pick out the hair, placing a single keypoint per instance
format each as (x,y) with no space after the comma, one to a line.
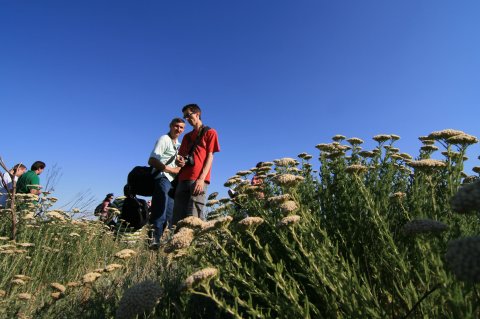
(194,108)
(127,191)
(38,165)
(176,120)
(108,196)
(17,166)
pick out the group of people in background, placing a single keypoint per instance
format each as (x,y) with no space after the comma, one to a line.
(27,182)
(187,164)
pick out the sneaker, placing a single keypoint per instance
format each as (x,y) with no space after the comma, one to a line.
(154,246)
(232,193)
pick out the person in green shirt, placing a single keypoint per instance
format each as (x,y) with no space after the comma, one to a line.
(29,183)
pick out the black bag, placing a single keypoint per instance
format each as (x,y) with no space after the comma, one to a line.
(98,210)
(173,188)
(134,212)
(141,180)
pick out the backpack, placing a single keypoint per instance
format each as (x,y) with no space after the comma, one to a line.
(141,180)
(99,209)
(134,212)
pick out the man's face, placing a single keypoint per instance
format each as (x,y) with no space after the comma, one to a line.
(20,171)
(176,129)
(191,117)
(40,170)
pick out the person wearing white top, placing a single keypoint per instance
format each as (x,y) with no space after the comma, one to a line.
(162,159)
(6,184)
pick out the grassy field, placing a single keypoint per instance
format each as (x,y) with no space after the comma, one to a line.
(355,234)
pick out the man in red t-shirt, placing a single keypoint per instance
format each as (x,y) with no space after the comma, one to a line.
(196,162)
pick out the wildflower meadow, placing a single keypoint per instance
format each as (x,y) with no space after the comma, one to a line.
(339,232)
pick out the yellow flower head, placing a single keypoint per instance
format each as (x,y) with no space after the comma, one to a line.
(181,240)
(381,138)
(58,286)
(355,141)
(199,277)
(356,169)
(421,226)
(125,253)
(429,148)
(287,179)
(427,164)
(18,282)
(24,296)
(23,277)
(190,222)
(338,138)
(462,257)
(138,300)
(289,220)
(288,206)
(250,222)
(286,161)
(112,267)
(279,199)
(444,134)
(91,277)
(462,139)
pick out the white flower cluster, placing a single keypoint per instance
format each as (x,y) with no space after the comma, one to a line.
(463,257)
(462,139)
(288,179)
(180,240)
(422,226)
(199,276)
(190,222)
(138,300)
(444,134)
(125,253)
(250,222)
(289,220)
(427,164)
(356,169)
(467,198)
(286,161)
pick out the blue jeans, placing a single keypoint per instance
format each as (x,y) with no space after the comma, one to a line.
(162,207)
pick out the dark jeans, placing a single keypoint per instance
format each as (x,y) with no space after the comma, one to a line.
(186,204)
(162,207)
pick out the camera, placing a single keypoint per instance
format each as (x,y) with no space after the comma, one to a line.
(189,160)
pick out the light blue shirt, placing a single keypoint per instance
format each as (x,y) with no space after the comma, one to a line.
(163,150)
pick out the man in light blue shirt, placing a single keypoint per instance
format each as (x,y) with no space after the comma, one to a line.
(162,158)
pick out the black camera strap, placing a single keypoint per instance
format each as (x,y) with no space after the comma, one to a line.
(201,133)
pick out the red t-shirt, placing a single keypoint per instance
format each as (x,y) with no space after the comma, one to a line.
(207,144)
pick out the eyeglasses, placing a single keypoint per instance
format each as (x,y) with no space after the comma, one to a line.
(187,116)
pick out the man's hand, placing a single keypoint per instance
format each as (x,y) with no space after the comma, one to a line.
(180,161)
(198,187)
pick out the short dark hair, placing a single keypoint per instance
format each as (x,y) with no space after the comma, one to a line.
(194,108)
(38,165)
(177,120)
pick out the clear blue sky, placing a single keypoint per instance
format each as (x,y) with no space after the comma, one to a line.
(90,85)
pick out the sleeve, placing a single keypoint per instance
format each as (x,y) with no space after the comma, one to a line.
(211,141)
(159,148)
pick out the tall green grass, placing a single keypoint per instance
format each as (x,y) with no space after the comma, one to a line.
(363,234)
